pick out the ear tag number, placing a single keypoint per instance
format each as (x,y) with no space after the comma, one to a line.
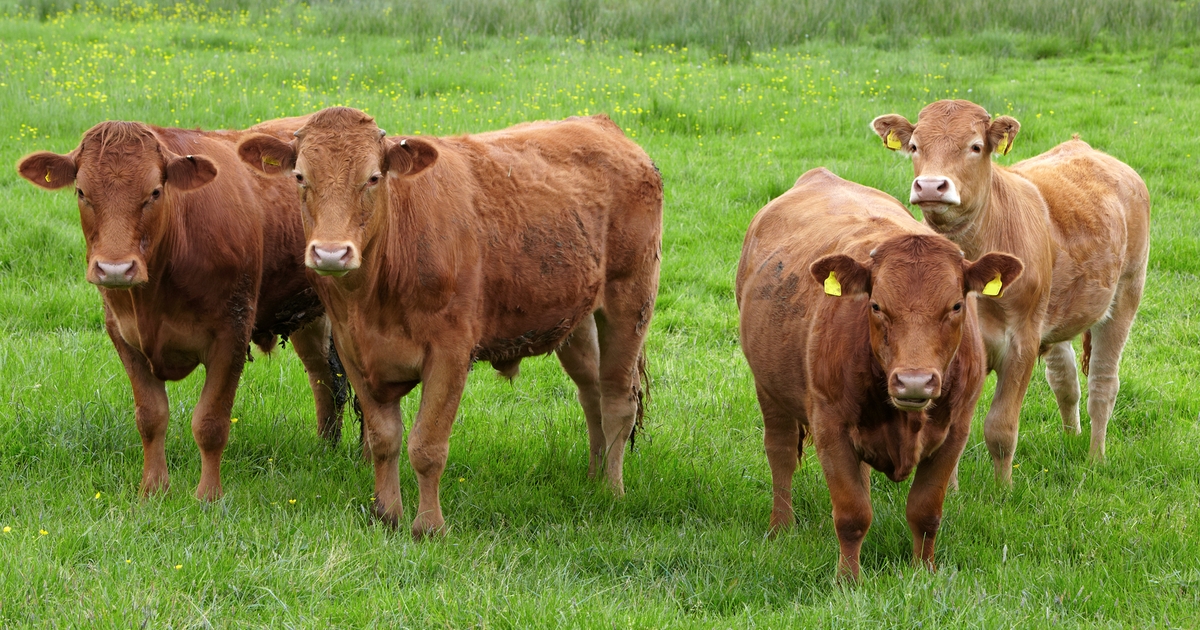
(270,160)
(832,286)
(892,141)
(993,288)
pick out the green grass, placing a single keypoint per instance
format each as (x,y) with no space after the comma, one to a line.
(533,543)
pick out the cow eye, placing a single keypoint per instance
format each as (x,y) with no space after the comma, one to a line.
(976,148)
(875,307)
(299,179)
(79,194)
(957,307)
(912,148)
(155,194)
(373,180)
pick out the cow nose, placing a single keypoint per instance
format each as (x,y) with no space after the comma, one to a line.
(332,258)
(915,387)
(115,274)
(939,189)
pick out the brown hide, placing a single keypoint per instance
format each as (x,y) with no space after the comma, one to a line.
(832,366)
(194,255)
(437,252)
(1079,219)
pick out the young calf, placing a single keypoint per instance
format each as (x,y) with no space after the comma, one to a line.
(438,252)
(195,256)
(859,325)
(1077,218)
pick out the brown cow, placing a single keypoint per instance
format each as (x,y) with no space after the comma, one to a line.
(1077,218)
(859,325)
(195,256)
(491,247)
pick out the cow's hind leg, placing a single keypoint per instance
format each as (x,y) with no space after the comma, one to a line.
(1064,382)
(311,343)
(621,326)
(783,439)
(580,358)
(1108,341)
(151,413)
(1003,419)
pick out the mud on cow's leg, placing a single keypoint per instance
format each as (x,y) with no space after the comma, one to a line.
(151,413)
(311,343)
(429,442)
(580,358)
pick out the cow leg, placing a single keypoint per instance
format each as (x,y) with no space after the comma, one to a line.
(783,438)
(151,413)
(444,377)
(210,418)
(580,358)
(1003,419)
(850,491)
(383,432)
(928,492)
(1108,342)
(621,328)
(1064,381)
(312,346)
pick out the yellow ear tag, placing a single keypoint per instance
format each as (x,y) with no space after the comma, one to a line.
(270,160)
(47,176)
(832,286)
(993,288)
(1005,145)
(892,141)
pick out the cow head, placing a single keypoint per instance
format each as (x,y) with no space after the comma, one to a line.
(339,159)
(124,182)
(950,147)
(917,287)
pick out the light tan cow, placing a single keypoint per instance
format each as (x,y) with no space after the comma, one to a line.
(1079,220)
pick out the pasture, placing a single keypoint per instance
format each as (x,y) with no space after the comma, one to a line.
(532,542)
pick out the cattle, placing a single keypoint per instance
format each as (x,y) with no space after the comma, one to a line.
(1077,218)
(434,253)
(859,325)
(195,256)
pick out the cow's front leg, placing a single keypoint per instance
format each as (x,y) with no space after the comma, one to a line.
(928,492)
(210,418)
(151,413)
(444,377)
(383,430)
(1004,418)
(850,491)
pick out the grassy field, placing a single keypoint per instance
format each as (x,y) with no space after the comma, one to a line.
(533,543)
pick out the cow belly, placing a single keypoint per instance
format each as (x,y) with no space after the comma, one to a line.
(174,349)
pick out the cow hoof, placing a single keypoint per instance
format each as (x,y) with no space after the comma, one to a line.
(427,528)
(209,493)
(387,519)
(152,487)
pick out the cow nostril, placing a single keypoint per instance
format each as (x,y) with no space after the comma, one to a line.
(943,187)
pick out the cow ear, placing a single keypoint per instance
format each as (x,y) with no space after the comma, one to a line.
(992,274)
(894,130)
(1001,134)
(841,275)
(190,171)
(268,153)
(409,156)
(48,170)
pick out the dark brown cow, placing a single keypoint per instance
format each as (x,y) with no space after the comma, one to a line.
(437,252)
(1077,218)
(859,325)
(195,256)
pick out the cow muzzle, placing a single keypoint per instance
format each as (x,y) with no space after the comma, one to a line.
(934,190)
(116,275)
(332,259)
(912,390)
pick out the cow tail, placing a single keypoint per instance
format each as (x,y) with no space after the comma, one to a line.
(641,392)
(342,392)
(1087,351)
